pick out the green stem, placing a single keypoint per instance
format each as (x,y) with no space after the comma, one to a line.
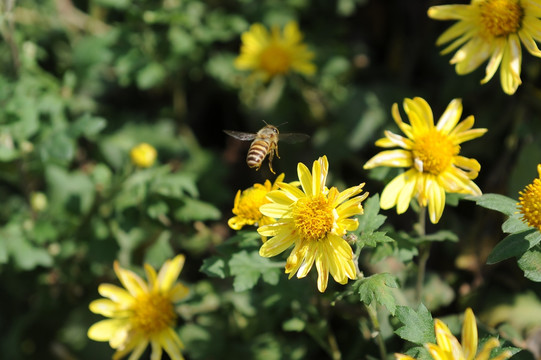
(424,253)
(372,313)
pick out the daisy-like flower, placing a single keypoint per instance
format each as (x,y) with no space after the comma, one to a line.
(431,154)
(143,155)
(247,203)
(491,30)
(530,202)
(270,54)
(448,347)
(314,220)
(141,313)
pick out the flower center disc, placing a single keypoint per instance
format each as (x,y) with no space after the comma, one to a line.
(433,152)
(313,217)
(530,204)
(500,17)
(275,59)
(152,313)
(250,202)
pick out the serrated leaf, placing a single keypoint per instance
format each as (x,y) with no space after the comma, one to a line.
(530,263)
(378,287)
(247,268)
(419,353)
(214,266)
(371,220)
(372,239)
(496,202)
(418,325)
(512,245)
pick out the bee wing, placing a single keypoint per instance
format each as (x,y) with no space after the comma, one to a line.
(293,137)
(240,135)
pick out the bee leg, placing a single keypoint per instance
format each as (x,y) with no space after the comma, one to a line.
(271,156)
(276,149)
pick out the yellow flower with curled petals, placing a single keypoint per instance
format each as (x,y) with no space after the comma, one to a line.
(447,346)
(271,54)
(432,155)
(248,202)
(143,155)
(314,221)
(141,312)
(491,30)
(529,205)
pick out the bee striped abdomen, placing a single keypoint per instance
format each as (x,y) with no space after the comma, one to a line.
(256,154)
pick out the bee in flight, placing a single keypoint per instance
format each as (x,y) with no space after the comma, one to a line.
(264,143)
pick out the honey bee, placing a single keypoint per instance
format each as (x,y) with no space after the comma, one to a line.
(264,143)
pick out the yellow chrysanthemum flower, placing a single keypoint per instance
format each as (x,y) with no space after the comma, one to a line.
(431,154)
(530,202)
(247,203)
(313,219)
(143,155)
(448,347)
(270,54)
(142,312)
(491,30)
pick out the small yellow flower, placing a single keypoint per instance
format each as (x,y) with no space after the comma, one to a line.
(142,312)
(448,347)
(432,155)
(143,155)
(314,219)
(270,54)
(491,30)
(530,202)
(247,203)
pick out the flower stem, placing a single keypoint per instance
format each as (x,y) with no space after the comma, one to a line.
(372,313)
(424,253)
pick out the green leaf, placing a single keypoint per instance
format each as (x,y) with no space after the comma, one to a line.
(214,266)
(441,235)
(514,225)
(87,125)
(160,251)
(530,263)
(418,325)
(378,287)
(371,220)
(194,210)
(419,353)
(372,239)
(247,268)
(58,147)
(151,75)
(496,202)
(513,245)
(175,185)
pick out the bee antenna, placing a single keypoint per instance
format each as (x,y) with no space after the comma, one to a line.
(266,123)
(281,124)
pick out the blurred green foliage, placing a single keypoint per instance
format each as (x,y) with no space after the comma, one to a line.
(83,81)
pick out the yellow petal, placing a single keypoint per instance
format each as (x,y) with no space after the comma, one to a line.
(178,292)
(322,273)
(473,54)
(274,210)
(450,12)
(398,140)
(450,116)
(495,60)
(169,272)
(305,178)
(510,66)
(105,307)
(106,329)
(278,243)
(529,43)
(115,293)
(468,135)
(469,335)
(406,128)
(130,280)
(406,194)
(390,193)
(436,201)
(275,228)
(392,158)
